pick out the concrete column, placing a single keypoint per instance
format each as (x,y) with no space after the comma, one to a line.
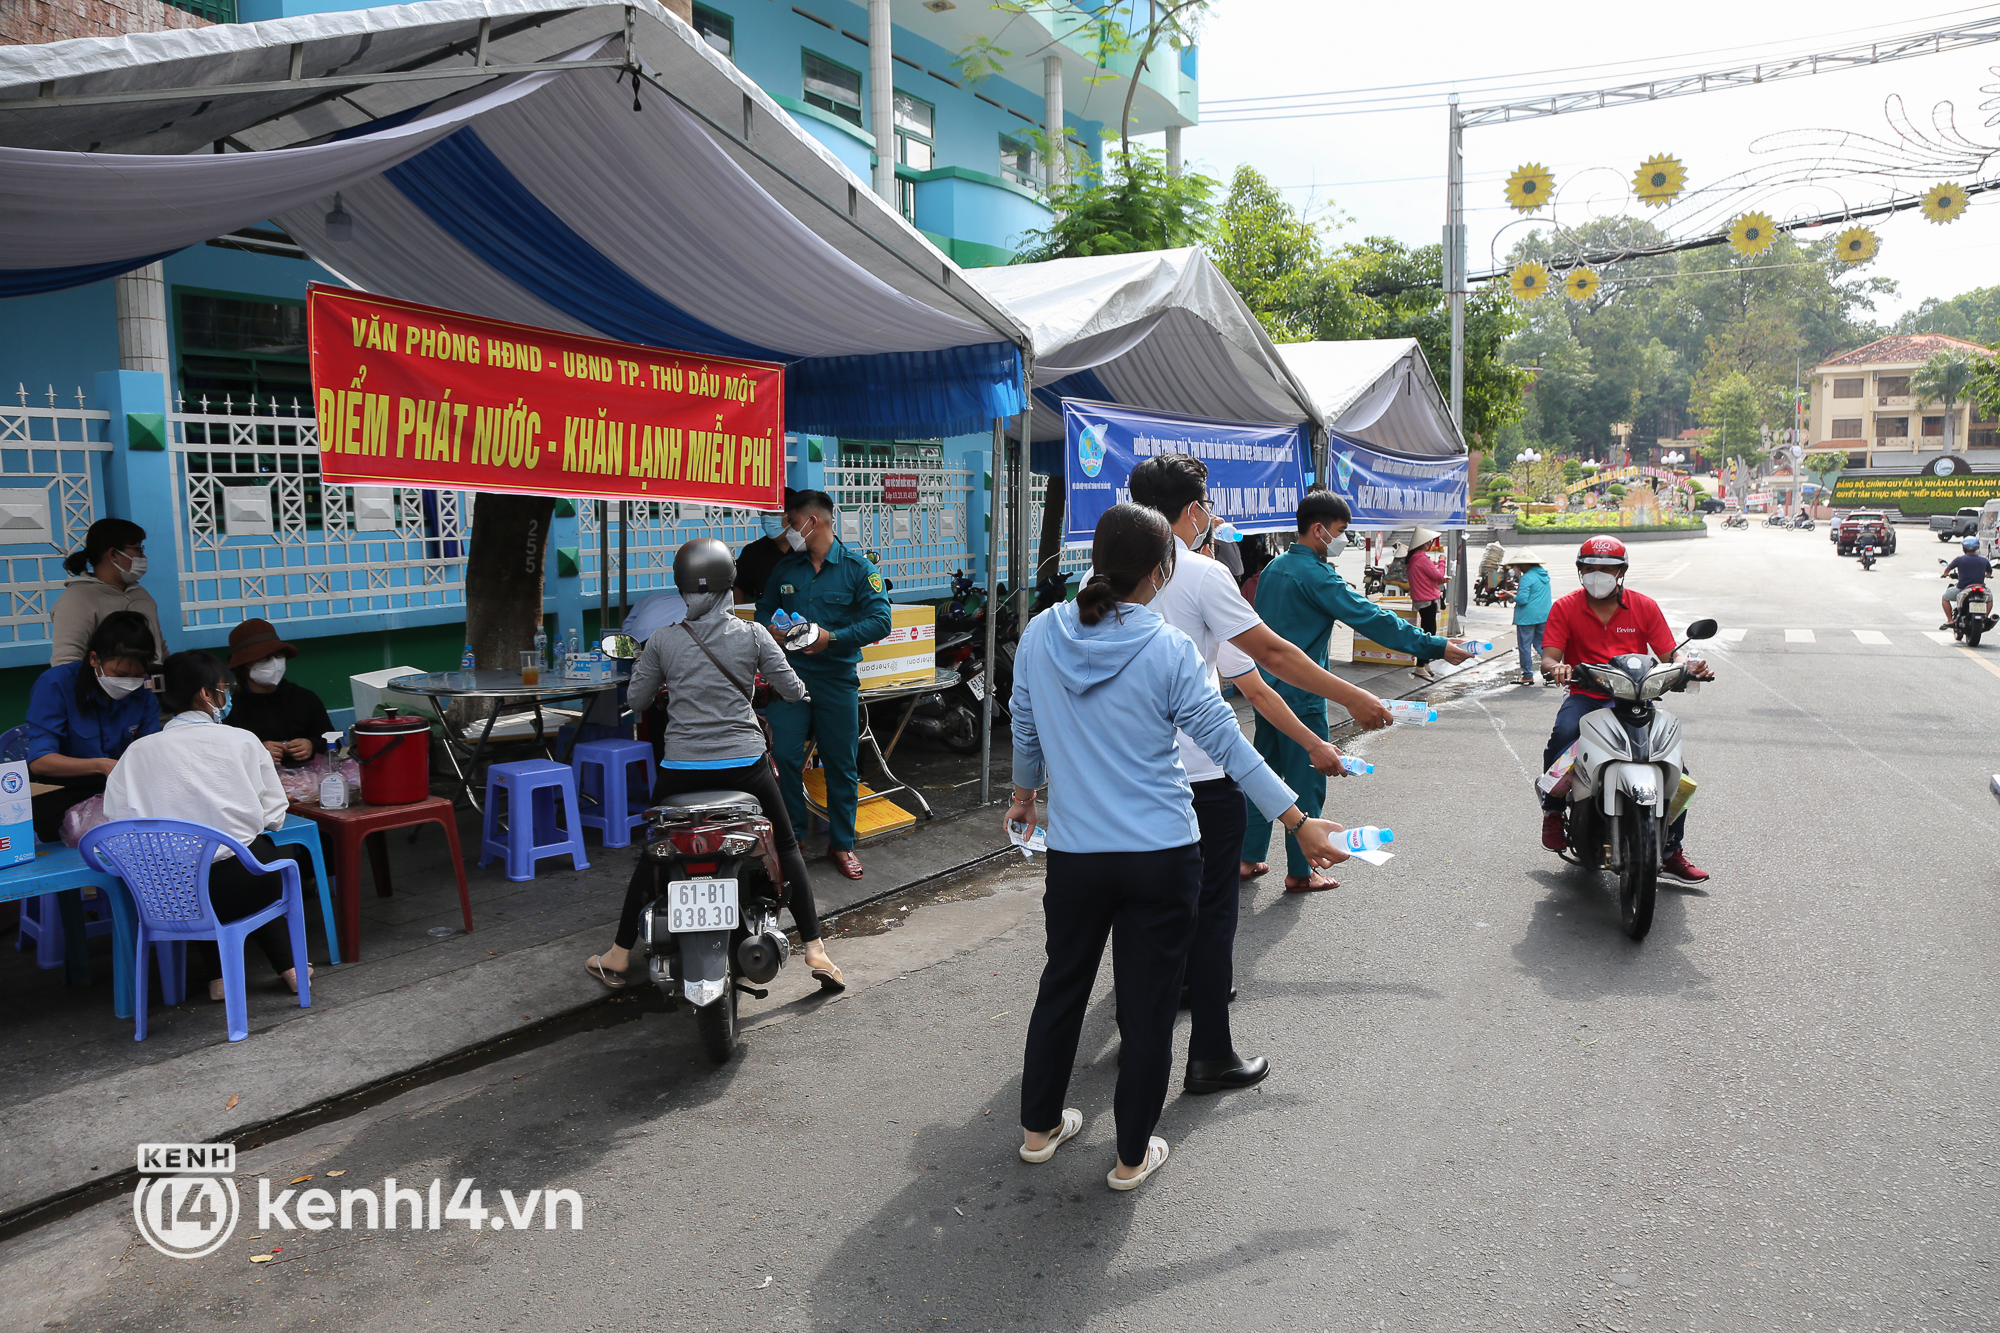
(1052,117)
(1174,150)
(139,479)
(142,319)
(882,99)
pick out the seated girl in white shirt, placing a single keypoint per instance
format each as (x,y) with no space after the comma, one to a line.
(198,770)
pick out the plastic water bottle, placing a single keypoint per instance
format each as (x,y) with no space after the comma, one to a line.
(333,787)
(1359,768)
(1695,658)
(575,642)
(1476,646)
(468,660)
(1366,839)
(541,646)
(1413,711)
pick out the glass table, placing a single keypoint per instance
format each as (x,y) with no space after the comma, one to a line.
(498,688)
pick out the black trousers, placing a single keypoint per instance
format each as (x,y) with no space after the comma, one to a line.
(234,892)
(1427,616)
(756,780)
(1220,813)
(1145,903)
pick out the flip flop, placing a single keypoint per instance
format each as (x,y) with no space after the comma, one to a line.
(613,980)
(1072,1125)
(1262,868)
(1157,1152)
(1313,884)
(829,978)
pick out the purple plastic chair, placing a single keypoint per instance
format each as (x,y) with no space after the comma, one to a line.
(165,864)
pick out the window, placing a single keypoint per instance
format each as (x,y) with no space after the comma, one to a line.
(1892,428)
(718,30)
(215,11)
(1983,435)
(1849,429)
(1933,428)
(241,346)
(1848,388)
(1892,386)
(832,87)
(915,146)
(1020,162)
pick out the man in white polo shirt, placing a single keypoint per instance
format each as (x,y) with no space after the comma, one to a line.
(1203,602)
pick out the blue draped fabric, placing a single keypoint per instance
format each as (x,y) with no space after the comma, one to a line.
(34,281)
(463,187)
(1047,456)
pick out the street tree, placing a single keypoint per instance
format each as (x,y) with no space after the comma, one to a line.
(1735,408)
(1947,380)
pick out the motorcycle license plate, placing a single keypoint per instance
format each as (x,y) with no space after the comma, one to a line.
(977,684)
(701,904)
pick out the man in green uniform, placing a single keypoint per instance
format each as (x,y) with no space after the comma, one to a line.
(827,582)
(1300,597)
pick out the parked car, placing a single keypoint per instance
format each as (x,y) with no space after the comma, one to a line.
(1956,527)
(1711,505)
(1848,532)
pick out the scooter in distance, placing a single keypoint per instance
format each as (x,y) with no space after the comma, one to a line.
(1865,553)
(1736,520)
(1625,774)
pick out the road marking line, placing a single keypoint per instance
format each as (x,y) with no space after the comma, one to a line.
(1980,658)
(1799,636)
(1943,636)
(1734,635)
(1871,636)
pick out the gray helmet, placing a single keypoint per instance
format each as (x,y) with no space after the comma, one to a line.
(1970,543)
(703,565)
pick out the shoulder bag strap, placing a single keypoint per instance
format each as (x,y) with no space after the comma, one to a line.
(749,692)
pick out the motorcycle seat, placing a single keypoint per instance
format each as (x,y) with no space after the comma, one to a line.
(717,797)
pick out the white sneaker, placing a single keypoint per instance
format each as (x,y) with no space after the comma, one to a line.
(1156,1157)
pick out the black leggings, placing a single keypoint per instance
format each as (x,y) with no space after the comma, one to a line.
(1427,616)
(235,893)
(756,780)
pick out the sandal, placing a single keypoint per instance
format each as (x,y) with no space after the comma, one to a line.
(1071,1126)
(1256,868)
(1157,1152)
(1311,884)
(829,978)
(613,980)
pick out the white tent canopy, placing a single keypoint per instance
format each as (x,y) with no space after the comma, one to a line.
(490,156)
(1161,330)
(1378,390)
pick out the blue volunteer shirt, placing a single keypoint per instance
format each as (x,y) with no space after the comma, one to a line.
(845,597)
(69,715)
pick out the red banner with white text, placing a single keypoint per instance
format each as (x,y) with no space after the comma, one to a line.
(411,395)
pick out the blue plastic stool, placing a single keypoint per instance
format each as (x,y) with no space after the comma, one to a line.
(42,923)
(165,865)
(609,804)
(531,787)
(298,831)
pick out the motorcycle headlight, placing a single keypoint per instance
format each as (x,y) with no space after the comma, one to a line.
(738,844)
(1659,680)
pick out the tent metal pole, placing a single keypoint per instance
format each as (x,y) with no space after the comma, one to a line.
(993,518)
(603,568)
(624,591)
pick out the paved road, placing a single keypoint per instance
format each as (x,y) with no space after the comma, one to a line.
(1489,1109)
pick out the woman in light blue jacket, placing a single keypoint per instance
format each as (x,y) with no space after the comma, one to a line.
(1531,610)
(1100,685)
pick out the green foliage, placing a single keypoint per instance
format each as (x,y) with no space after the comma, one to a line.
(1973,316)
(1946,379)
(1572,471)
(1735,407)
(1127,203)
(1595,523)
(1823,468)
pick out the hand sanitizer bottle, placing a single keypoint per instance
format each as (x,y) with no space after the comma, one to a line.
(333,787)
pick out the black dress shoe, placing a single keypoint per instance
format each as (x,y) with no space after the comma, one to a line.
(1188,1003)
(1205,1076)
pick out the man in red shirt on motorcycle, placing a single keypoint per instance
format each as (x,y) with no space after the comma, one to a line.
(1600,621)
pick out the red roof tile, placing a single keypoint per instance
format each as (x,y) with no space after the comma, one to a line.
(1903,349)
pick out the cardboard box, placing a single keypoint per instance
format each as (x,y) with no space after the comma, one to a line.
(1367,650)
(907,652)
(17,815)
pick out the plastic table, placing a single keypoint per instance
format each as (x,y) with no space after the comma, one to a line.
(441,687)
(354,826)
(62,870)
(940,679)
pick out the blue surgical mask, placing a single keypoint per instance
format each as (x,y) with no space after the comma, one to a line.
(773,524)
(222,714)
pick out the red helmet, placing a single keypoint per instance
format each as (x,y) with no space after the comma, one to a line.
(1601,550)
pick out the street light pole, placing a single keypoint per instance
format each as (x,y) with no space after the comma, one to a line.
(1454,257)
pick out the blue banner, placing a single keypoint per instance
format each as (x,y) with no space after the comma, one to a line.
(1256,473)
(1388,490)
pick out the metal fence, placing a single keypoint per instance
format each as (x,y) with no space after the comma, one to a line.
(257,533)
(917,547)
(51,491)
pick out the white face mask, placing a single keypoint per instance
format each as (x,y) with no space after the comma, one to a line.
(133,571)
(1336,544)
(119,686)
(1600,586)
(795,539)
(269,671)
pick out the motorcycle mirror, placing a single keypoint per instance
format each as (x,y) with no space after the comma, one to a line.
(1701,629)
(620,647)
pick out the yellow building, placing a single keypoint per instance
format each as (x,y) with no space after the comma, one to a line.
(1861,401)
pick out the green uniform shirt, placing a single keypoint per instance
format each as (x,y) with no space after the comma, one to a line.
(845,598)
(1300,597)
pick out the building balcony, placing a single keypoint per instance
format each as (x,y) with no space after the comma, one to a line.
(976,218)
(1897,444)
(1894,400)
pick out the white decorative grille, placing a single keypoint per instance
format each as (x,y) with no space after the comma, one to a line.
(60,450)
(299,549)
(917,547)
(1073,560)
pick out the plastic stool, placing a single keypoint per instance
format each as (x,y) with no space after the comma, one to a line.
(41,922)
(531,787)
(614,813)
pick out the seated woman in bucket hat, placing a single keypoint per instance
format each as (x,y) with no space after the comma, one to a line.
(288,718)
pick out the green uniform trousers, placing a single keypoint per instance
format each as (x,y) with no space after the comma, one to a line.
(833,716)
(1289,761)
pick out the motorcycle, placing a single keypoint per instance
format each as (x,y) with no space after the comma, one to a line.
(1776,519)
(1625,774)
(1865,552)
(1972,615)
(1736,520)
(1485,592)
(1803,523)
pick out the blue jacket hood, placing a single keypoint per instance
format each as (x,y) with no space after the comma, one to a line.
(1088,655)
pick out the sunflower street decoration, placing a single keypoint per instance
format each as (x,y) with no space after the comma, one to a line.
(1659,180)
(1581,284)
(1530,281)
(1945,203)
(1856,245)
(1530,187)
(1751,234)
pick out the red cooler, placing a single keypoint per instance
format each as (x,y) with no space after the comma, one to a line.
(395,755)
